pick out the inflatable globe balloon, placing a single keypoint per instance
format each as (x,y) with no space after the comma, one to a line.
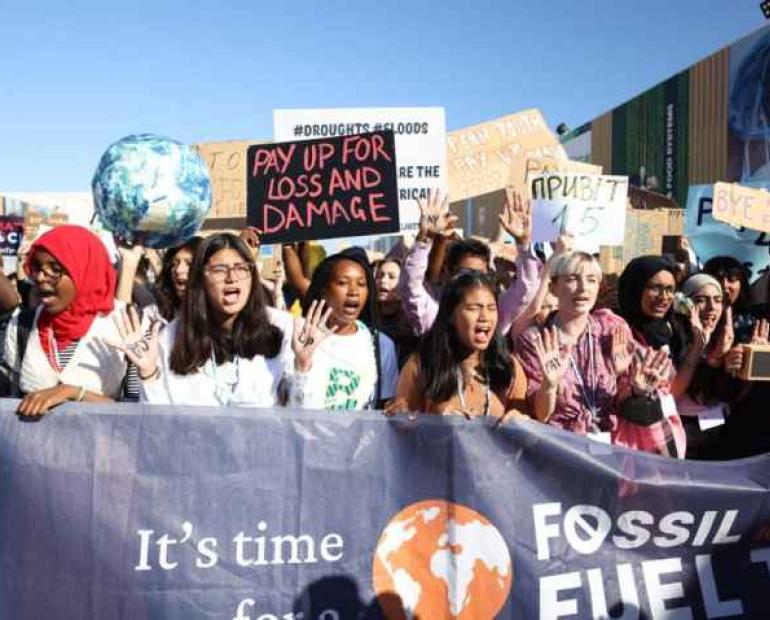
(152,191)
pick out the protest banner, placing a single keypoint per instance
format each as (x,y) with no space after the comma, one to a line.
(120,511)
(227,166)
(710,237)
(546,165)
(742,206)
(590,207)
(490,156)
(420,144)
(323,189)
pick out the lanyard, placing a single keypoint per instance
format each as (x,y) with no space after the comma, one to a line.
(224,391)
(589,397)
(461,390)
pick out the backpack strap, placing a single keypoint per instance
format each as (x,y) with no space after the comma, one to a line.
(24,327)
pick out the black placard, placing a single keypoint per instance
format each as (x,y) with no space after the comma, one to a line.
(322,189)
(11,233)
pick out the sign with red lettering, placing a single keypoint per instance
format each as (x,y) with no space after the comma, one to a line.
(11,233)
(323,189)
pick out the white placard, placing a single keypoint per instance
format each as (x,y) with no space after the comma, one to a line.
(420,144)
(591,207)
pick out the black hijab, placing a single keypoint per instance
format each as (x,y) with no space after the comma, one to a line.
(657,332)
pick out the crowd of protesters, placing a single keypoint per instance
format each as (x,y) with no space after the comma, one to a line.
(649,361)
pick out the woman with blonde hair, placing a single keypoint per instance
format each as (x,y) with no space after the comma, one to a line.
(583,365)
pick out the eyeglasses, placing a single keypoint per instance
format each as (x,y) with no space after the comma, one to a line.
(660,290)
(238,271)
(51,272)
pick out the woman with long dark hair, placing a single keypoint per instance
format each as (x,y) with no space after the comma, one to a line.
(226,347)
(734,279)
(355,367)
(390,309)
(174,275)
(463,365)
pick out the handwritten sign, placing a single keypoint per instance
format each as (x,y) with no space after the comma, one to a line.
(33,219)
(420,144)
(324,189)
(710,237)
(646,230)
(11,234)
(488,157)
(227,167)
(742,206)
(548,165)
(590,207)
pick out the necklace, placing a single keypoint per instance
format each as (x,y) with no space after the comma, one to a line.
(461,390)
(588,388)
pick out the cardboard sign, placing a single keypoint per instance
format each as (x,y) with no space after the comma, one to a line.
(420,144)
(548,165)
(227,166)
(488,157)
(645,199)
(742,206)
(646,231)
(710,237)
(324,189)
(590,207)
(34,218)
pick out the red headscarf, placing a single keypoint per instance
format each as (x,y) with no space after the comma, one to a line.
(84,257)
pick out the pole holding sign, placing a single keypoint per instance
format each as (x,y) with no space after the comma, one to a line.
(323,189)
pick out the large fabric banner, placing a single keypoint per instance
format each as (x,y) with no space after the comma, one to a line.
(117,511)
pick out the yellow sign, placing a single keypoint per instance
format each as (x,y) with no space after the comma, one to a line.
(742,206)
(489,156)
(227,166)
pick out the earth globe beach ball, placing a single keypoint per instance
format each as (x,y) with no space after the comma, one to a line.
(152,191)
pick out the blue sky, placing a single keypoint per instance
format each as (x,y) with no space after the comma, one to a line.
(76,76)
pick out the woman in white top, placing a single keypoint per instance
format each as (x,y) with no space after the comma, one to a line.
(225,348)
(355,367)
(57,354)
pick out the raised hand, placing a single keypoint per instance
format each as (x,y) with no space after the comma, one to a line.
(725,341)
(564,243)
(733,361)
(309,334)
(131,252)
(141,349)
(701,334)
(622,350)
(552,363)
(435,217)
(516,218)
(761,332)
(650,373)
(252,237)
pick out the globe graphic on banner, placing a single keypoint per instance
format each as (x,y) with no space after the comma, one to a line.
(152,191)
(441,560)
